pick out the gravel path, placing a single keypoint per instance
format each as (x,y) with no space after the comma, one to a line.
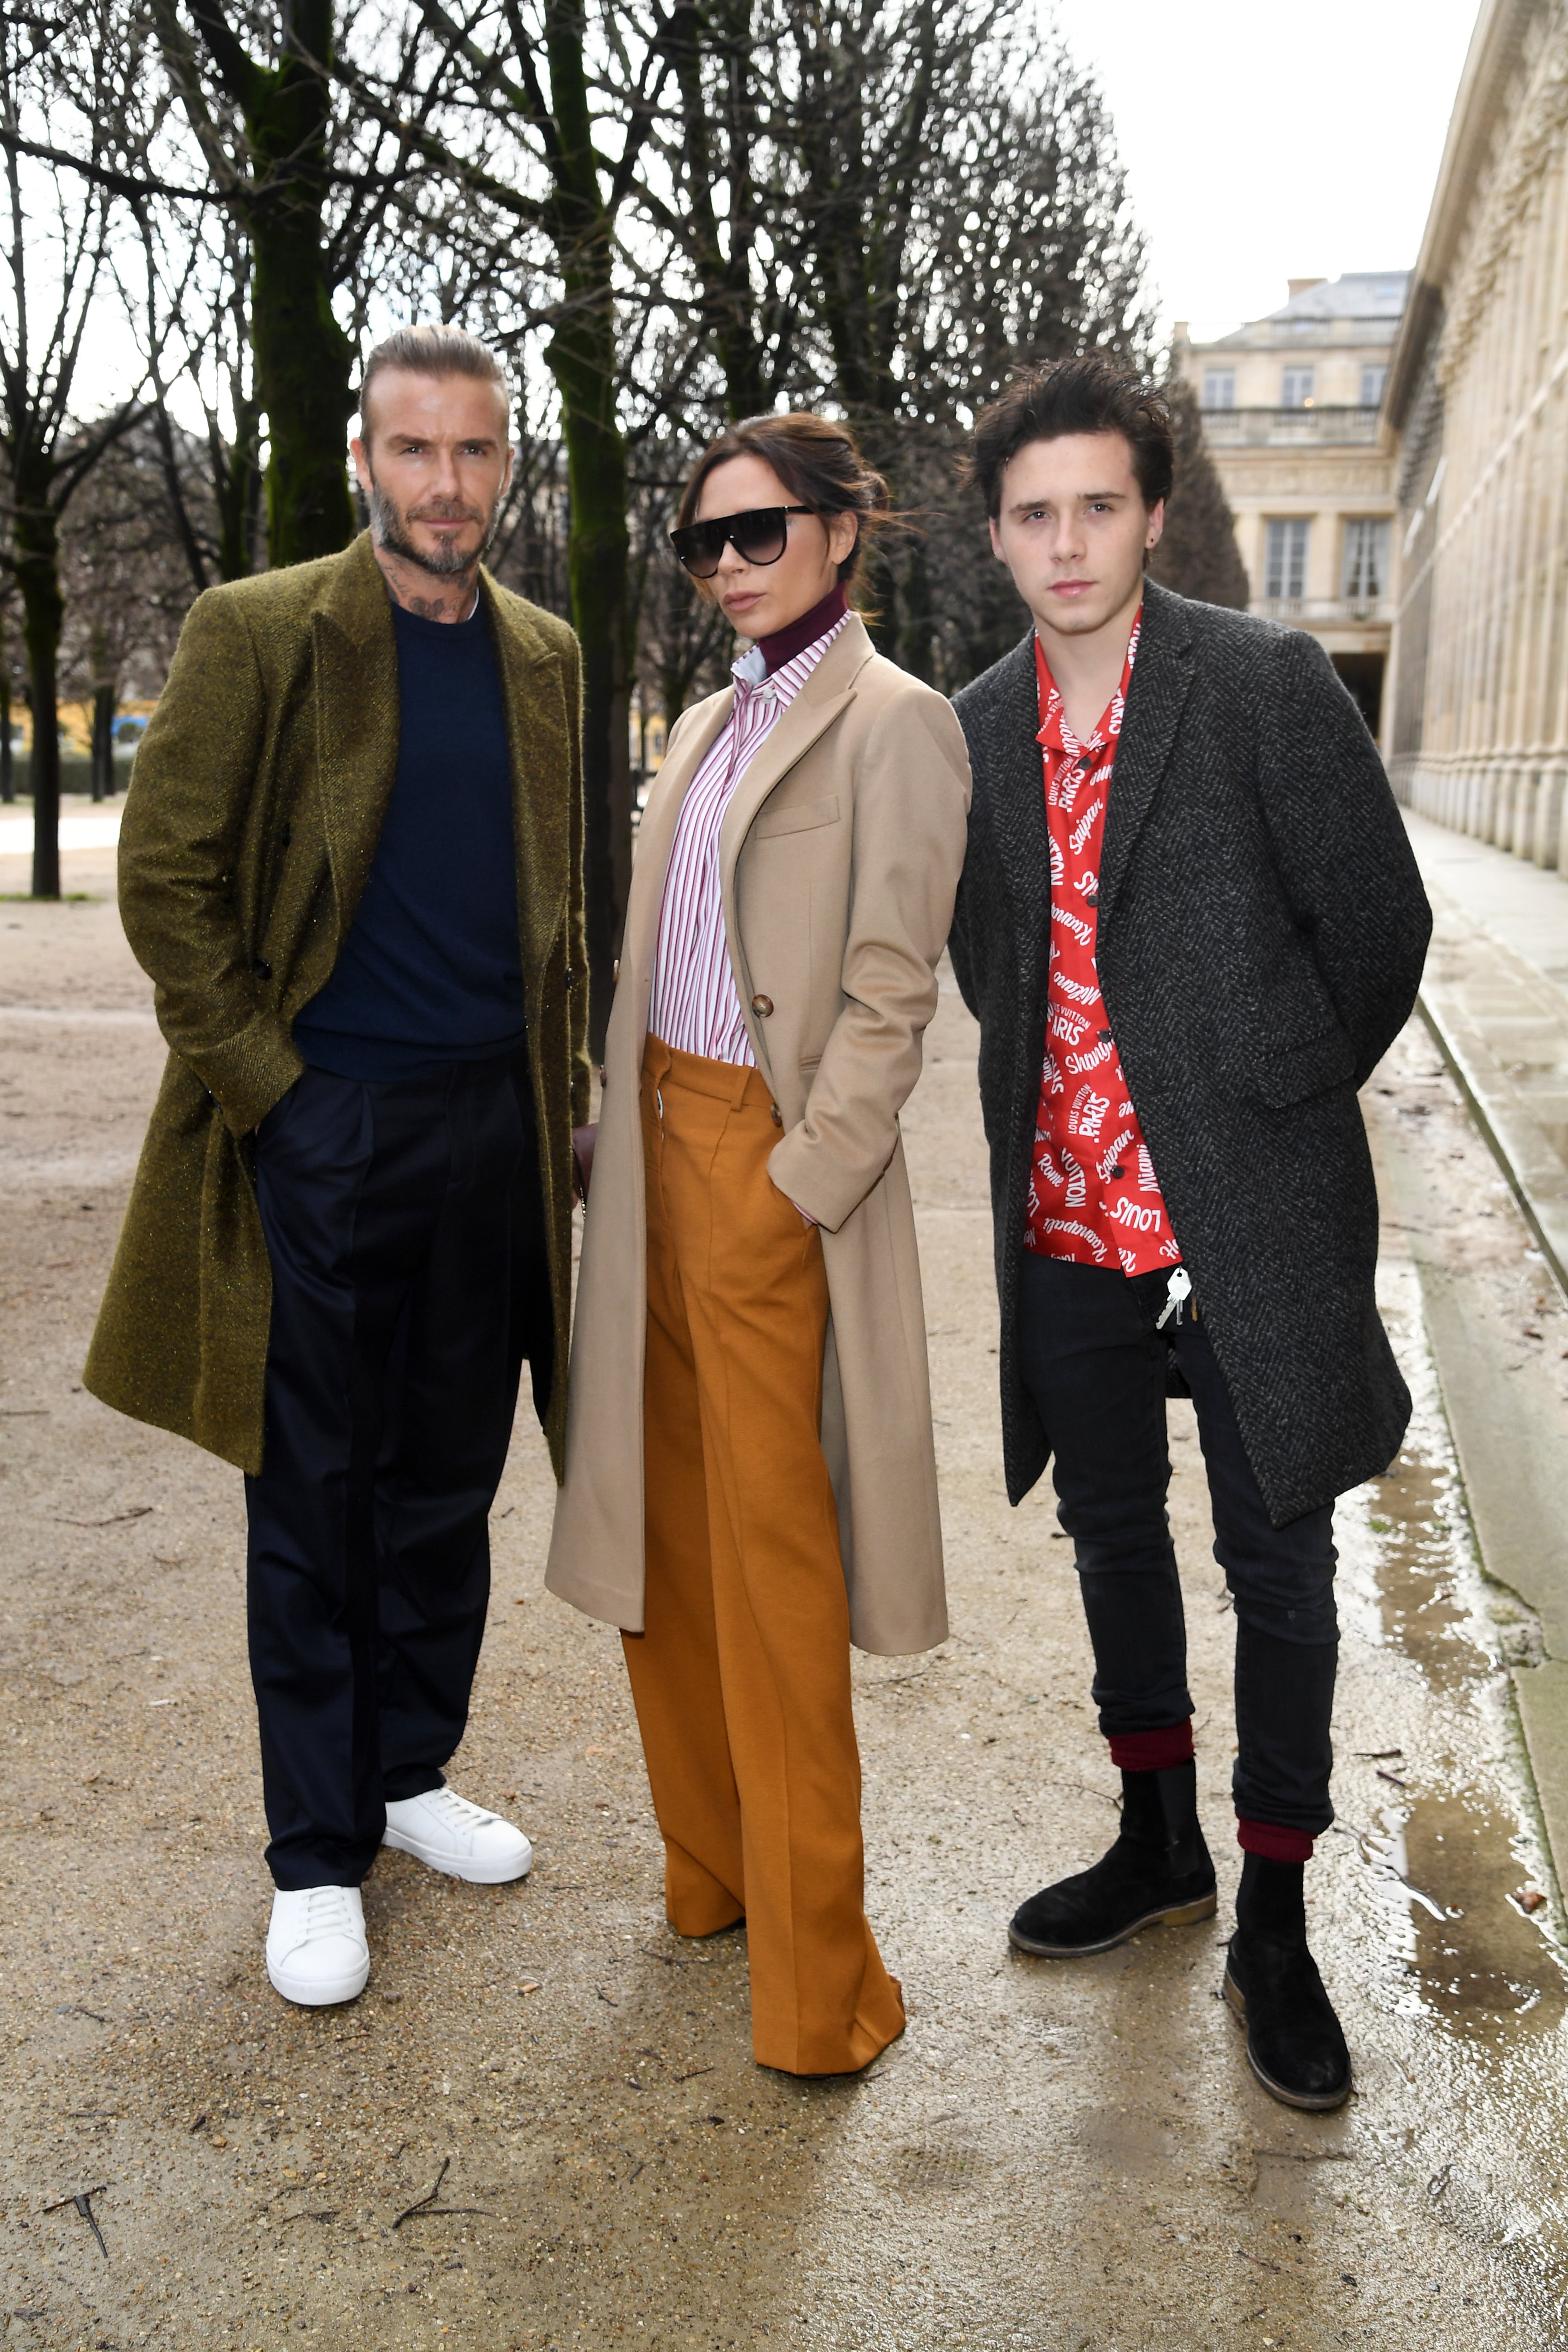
(541,2126)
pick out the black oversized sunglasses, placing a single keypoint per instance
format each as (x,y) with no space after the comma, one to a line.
(758,536)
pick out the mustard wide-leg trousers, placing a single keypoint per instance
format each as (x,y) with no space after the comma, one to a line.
(741,1676)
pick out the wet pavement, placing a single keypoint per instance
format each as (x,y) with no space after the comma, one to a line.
(1496,990)
(541,2126)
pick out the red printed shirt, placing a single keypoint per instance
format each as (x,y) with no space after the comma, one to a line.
(1093,1192)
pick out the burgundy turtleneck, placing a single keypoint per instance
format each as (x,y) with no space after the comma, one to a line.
(785,644)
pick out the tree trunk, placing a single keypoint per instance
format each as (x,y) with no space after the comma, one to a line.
(302,366)
(304,360)
(236,485)
(37,553)
(7,769)
(725,277)
(596,568)
(582,358)
(916,636)
(103,742)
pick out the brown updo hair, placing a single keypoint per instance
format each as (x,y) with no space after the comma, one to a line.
(817,460)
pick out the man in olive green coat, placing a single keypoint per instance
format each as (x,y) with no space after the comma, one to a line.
(352,863)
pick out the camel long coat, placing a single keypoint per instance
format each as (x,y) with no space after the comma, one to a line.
(840,854)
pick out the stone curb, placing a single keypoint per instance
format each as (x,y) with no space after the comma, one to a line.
(1535,1174)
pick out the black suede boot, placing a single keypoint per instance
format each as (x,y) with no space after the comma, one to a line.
(1158,1873)
(1294,2043)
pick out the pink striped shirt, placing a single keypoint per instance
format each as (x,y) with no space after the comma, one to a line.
(696,1005)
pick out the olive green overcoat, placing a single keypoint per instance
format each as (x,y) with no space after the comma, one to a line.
(251,822)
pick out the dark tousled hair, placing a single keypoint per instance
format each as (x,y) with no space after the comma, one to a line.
(433,349)
(1087,394)
(817,460)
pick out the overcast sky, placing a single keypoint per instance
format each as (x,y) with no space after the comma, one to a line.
(1263,141)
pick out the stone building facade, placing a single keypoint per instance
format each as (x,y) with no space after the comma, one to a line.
(1290,407)
(1476,421)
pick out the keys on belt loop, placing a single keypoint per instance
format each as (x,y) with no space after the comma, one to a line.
(1180,1288)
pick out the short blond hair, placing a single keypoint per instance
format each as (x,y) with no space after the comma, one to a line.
(432,350)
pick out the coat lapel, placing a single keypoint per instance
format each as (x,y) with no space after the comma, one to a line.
(533,686)
(356,719)
(1016,791)
(1161,678)
(824,694)
(827,692)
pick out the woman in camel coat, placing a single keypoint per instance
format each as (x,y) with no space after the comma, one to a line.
(750,1480)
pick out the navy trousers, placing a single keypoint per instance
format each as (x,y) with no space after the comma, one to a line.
(410,1279)
(1095,1364)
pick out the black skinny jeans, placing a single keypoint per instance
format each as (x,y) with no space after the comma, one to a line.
(1094,1365)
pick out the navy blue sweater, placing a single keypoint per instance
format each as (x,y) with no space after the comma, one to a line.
(431,971)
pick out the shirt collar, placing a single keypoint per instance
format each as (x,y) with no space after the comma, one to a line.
(1055,734)
(754,675)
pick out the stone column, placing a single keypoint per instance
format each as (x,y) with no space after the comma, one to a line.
(1549,813)
(1526,793)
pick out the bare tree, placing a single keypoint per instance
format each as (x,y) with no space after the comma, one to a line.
(192,295)
(66,84)
(8,686)
(965,211)
(265,130)
(126,580)
(276,106)
(667,217)
(884,206)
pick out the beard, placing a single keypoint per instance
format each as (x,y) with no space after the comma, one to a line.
(389,526)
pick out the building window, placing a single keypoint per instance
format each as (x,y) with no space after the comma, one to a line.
(1373,380)
(1285,563)
(1298,382)
(1219,387)
(1365,577)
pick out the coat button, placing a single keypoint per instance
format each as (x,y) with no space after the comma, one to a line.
(778,1115)
(261,967)
(762,1004)
(616,972)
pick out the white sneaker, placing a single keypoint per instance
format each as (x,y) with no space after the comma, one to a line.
(316,1949)
(444,1830)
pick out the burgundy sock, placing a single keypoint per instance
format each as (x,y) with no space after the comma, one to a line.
(1274,1841)
(1152,1751)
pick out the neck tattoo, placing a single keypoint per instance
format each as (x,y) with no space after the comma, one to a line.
(434,597)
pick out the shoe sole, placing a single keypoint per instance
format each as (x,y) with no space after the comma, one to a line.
(317,1992)
(1314,2103)
(1177,1914)
(476,1874)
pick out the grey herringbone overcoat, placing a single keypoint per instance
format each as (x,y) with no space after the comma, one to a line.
(1262,928)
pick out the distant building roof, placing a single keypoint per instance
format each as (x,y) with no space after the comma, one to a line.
(1359,294)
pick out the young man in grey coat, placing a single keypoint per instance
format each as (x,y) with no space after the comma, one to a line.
(1189,924)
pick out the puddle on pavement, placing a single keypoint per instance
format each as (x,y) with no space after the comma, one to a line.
(1417,1573)
(1489,1971)
(1485,1968)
